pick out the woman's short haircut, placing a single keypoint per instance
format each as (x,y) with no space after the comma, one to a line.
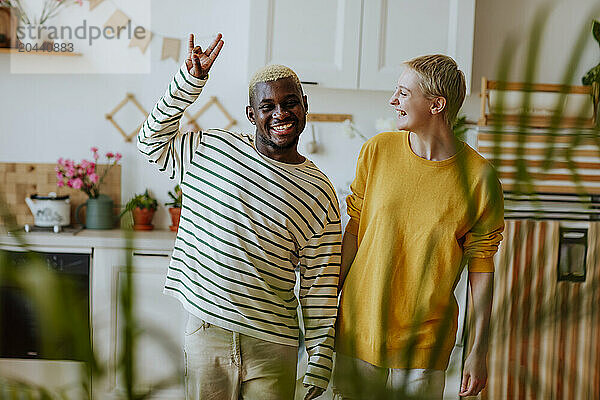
(440,77)
(271,73)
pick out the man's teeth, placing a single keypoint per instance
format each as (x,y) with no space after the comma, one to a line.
(281,128)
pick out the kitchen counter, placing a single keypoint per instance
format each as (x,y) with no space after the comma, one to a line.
(90,238)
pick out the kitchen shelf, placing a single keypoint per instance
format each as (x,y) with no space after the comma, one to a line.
(40,53)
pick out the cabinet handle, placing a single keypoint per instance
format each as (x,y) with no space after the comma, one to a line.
(309,83)
(140,254)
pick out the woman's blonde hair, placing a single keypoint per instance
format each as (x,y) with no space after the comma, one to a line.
(440,77)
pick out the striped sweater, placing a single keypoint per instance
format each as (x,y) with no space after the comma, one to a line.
(247,223)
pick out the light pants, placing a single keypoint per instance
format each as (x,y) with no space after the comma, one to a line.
(357,379)
(225,365)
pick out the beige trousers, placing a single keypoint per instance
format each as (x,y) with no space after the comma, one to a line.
(225,365)
(357,379)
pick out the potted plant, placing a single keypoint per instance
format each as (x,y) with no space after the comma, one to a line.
(142,208)
(175,209)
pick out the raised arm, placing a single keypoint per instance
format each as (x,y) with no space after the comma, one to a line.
(160,139)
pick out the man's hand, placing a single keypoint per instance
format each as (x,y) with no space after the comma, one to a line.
(198,62)
(474,375)
(313,392)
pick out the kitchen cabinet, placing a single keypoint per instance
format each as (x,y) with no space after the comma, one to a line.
(159,319)
(320,40)
(358,44)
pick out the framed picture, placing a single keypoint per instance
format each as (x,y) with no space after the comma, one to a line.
(8,27)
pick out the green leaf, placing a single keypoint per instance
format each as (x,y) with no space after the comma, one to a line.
(596,30)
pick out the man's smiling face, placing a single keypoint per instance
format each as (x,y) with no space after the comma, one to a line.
(278,110)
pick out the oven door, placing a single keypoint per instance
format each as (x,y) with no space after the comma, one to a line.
(34,349)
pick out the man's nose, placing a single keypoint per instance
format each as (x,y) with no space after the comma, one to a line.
(280,112)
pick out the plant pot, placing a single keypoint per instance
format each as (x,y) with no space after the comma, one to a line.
(175,215)
(99,213)
(142,219)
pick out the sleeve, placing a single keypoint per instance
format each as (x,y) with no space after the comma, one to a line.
(354,201)
(481,242)
(160,139)
(319,273)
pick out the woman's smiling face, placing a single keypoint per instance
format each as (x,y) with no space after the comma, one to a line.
(411,105)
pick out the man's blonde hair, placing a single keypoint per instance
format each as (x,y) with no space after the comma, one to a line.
(271,73)
(440,77)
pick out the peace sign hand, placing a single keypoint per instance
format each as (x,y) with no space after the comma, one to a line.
(198,62)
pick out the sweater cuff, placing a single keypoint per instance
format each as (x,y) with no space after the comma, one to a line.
(192,83)
(314,381)
(481,264)
(352,227)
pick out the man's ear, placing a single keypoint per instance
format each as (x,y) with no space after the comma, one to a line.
(250,115)
(438,105)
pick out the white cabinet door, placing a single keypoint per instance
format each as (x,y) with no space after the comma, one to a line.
(159,322)
(318,39)
(398,30)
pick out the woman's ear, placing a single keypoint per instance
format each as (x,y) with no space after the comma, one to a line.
(250,115)
(438,105)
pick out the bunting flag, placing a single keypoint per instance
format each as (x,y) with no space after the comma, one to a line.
(170,49)
(94,3)
(143,42)
(117,19)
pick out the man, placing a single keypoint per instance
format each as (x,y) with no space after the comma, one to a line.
(253,211)
(423,205)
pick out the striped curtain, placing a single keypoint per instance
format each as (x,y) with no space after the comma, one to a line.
(545,333)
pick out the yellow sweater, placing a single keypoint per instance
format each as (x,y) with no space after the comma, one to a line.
(418,222)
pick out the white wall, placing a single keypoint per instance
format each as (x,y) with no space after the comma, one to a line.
(47,116)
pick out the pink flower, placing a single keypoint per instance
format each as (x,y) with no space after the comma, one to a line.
(109,155)
(61,161)
(59,175)
(118,156)
(94,178)
(76,183)
(70,172)
(60,184)
(96,156)
(94,149)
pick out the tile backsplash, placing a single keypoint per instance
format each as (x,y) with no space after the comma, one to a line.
(20,180)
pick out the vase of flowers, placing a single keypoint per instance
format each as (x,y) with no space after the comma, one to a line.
(88,177)
(175,209)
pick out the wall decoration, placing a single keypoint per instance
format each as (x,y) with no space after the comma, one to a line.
(170,49)
(94,3)
(117,19)
(213,101)
(129,97)
(141,43)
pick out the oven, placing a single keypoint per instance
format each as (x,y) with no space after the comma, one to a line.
(34,349)
(22,334)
